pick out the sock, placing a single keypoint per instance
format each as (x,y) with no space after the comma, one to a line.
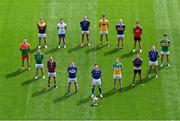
(100,90)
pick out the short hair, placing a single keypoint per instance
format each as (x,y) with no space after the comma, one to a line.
(165,35)
(61,18)
(137,22)
(103,15)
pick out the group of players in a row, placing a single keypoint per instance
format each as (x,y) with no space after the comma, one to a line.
(96,72)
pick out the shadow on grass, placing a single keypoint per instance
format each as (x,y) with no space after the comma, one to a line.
(64,97)
(76,48)
(15,73)
(84,101)
(51,51)
(129,54)
(96,48)
(33,50)
(27,82)
(112,51)
(41,92)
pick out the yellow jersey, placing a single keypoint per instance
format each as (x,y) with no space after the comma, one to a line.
(103,24)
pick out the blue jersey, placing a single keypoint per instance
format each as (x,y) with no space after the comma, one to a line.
(153,55)
(85,25)
(120,29)
(96,73)
(72,71)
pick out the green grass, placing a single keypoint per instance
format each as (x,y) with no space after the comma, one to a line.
(22,97)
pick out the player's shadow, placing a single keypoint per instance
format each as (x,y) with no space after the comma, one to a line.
(41,92)
(129,54)
(51,51)
(15,73)
(96,48)
(30,81)
(76,48)
(64,97)
(33,50)
(112,51)
(109,93)
(84,101)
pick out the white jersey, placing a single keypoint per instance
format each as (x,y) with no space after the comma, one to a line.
(61,28)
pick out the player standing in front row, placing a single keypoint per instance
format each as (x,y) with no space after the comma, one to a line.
(25,53)
(153,60)
(120,28)
(51,65)
(137,64)
(117,75)
(96,75)
(137,31)
(61,26)
(165,43)
(72,70)
(42,32)
(85,23)
(39,63)
(103,25)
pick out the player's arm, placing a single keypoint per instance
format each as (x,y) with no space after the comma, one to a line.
(99,24)
(55,64)
(45,27)
(124,27)
(65,27)
(107,23)
(88,23)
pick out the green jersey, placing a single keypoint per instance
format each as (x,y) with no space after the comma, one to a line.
(117,68)
(39,58)
(165,48)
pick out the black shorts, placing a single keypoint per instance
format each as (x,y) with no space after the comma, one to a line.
(137,71)
(137,39)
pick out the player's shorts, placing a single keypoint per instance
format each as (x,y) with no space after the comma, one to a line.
(42,35)
(117,76)
(137,71)
(51,74)
(120,36)
(151,63)
(103,32)
(137,38)
(24,57)
(70,80)
(39,66)
(164,53)
(84,32)
(96,82)
(62,35)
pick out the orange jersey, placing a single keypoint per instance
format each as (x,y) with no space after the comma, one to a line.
(103,24)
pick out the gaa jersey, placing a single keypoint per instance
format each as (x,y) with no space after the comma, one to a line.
(39,58)
(96,73)
(103,24)
(61,28)
(120,29)
(25,48)
(137,31)
(117,68)
(153,55)
(85,25)
(165,48)
(137,62)
(72,70)
(42,27)
(51,66)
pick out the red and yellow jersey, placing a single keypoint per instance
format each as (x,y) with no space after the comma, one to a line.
(42,27)
(25,48)
(103,24)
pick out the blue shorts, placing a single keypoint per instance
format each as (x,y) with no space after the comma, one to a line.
(62,36)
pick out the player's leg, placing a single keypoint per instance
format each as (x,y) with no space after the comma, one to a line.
(118,42)
(22,63)
(101,38)
(167,56)
(28,62)
(100,91)
(114,88)
(55,83)
(69,85)
(87,36)
(140,76)
(122,40)
(156,68)
(42,72)
(92,91)
(76,87)
(39,41)
(139,41)
(106,34)
(135,41)
(150,69)
(134,77)
(36,77)
(45,40)
(162,58)
(82,39)
(64,40)
(49,79)
(59,41)
(120,84)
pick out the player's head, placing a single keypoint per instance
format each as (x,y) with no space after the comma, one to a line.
(85,18)
(41,20)
(120,21)
(165,36)
(117,60)
(137,55)
(24,40)
(72,63)
(51,58)
(61,20)
(153,47)
(137,23)
(38,50)
(96,66)
(103,17)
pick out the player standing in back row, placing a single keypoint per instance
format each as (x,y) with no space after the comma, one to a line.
(165,43)
(137,31)
(42,32)
(103,25)
(61,27)
(120,28)
(85,23)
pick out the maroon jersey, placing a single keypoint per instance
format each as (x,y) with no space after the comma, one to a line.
(137,31)
(51,66)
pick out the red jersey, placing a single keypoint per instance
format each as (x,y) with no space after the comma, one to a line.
(51,66)
(137,31)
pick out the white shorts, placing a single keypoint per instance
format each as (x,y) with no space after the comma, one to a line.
(39,66)
(51,74)
(117,76)
(72,80)
(84,32)
(42,35)
(153,63)
(164,53)
(120,36)
(96,82)
(103,32)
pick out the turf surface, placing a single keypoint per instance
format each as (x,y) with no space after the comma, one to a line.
(22,97)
